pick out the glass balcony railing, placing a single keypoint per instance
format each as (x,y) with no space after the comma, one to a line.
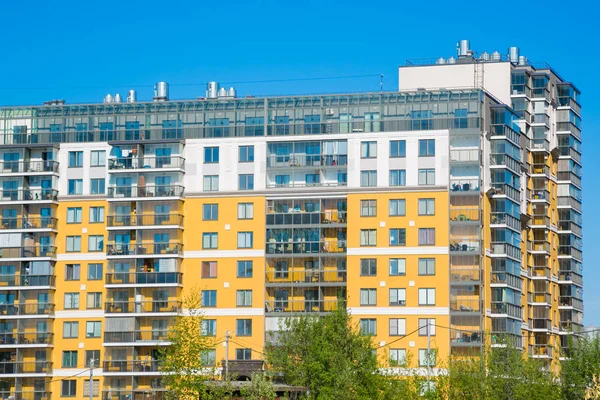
(25,395)
(465,245)
(307,160)
(506,309)
(464,214)
(540,169)
(29,195)
(150,162)
(124,278)
(117,366)
(540,144)
(28,338)
(466,337)
(27,166)
(306,247)
(137,307)
(569,102)
(570,226)
(570,301)
(539,220)
(464,185)
(505,249)
(540,297)
(570,277)
(26,280)
(569,127)
(538,246)
(569,176)
(568,151)
(500,218)
(28,251)
(27,309)
(540,324)
(302,184)
(467,275)
(503,189)
(464,155)
(540,194)
(306,218)
(129,220)
(154,335)
(155,248)
(306,275)
(28,223)
(540,350)
(145,191)
(300,306)
(138,394)
(25,367)
(465,305)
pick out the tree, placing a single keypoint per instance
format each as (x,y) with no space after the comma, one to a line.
(184,371)
(328,355)
(260,388)
(579,368)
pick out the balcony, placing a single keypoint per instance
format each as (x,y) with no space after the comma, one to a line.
(542,119)
(302,184)
(138,394)
(307,161)
(562,127)
(568,151)
(33,195)
(465,275)
(540,351)
(568,276)
(143,278)
(142,307)
(567,201)
(145,164)
(306,247)
(144,249)
(540,144)
(25,367)
(539,221)
(307,218)
(503,278)
(538,246)
(28,223)
(463,338)
(500,218)
(148,337)
(458,214)
(502,308)
(540,195)
(128,192)
(540,298)
(300,306)
(130,366)
(570,251)
(567,176)
(28,167)
(311,277)
(505,250)
(25,395)
(540,324)
(144,220)
(569,102)
(458,155)
(26,309)
(570,301)
(503,189)
(28,252)
(467,186)
(569,226)
(465,305)
(28,338)
(465,246)
(540,169)
(24,281)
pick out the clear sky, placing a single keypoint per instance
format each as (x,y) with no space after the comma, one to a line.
(81,50)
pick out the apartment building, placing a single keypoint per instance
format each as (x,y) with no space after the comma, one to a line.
(437,214)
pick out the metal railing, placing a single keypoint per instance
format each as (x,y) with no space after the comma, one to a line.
(569,176)
(136,336)
(538,245)
(464,214)
(307,247)
(570,226)
(22,166)
(128,278)
(505,189)
(306,275)
(570,276)
(300,306)
(464,185)
(138,394)
(540,194)
(464,337)
(501,218)
(506,308)
(540,144)
(155,248)
(506,249)
(27,309)
(539,323)
(144,220)
(303,184)
(26,338)
(540,169)
(28,223)
(298,160)
(569,127)
(539,220)
(307,218)
(569,201)
(146,162)
(464,155)
(28,251)
(145,191)
(24,367)
(128,307)
(113,366)
(540,350)
(465,305)
(540,297)
(25,395)
(467,275)
(570,301)
(27,280)
(465,245)
(568,151)
(565,101)
(29,195)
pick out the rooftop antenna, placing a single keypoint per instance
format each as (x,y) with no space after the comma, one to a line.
(381,83)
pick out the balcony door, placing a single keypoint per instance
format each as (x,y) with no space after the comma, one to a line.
(9,219)
(10,190)
(163,157)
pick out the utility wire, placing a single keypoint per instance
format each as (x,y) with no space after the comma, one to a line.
(400,338)
(69,377)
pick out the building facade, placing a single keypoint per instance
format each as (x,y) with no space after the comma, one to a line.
(436,215)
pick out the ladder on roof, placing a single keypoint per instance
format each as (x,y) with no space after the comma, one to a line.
(478,74)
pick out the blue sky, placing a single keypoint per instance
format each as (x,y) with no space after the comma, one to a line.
(79,51)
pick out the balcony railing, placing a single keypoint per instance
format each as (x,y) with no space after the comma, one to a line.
(465,245)
(300,306)
(127,163)
(568,151)
(464,214)
(569,127)
(570,251)
(26,280)
(540,297)
(28,223)
(138,394)
(570,202)
(466,338)
(540,169)
(25,367)
(540,220)
(506,308)
(27,309)
(540,144)
(464,185)
(144,220)
(504,189)
(501,218)
(540,324)
(308,247)
(116,366)
(156,248)
(29,195)
(306,218)
(129,307)
(125,278)
(570,226)
(306,276)
(136,336)
(569,176)
(307,160)
(569,102)
(26,338)
(465,305)
(540,194)
(467,275)
(145,191)
(570,277)
(540,350)
(302,184)
(28,251)
(27,166)
(464,155)
(570,301)
(538,246)
(25,395)
(506,279)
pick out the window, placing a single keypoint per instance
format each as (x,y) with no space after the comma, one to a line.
(244,240)
(423,326)
(208,358)
(427,177)
(397,297)
(94,272)
(98,158)
(74,215)
(211,155)
(368,150)
(92,329)
(92,355)
(368,267)
(71,301)
(398,237)
(75,159)
(397,357)
(210,240)
(426,266)
(243,327)
(208,298)
(246,182)
(72,272)
(94,300)
(95,388)
(368,208)
(427,358)
(244,298)
(311,179)
(69,359)
(96,215)
(397,326)
(397,208)
(210,212)
(209,327)
(368,178)
(281,270)
(209,269)
(97,186)
(282,180)
(211,183)
(426,236)
(427,297)
(426,206)
(397,148)
(95,243)
(397,266)
(244,269)
(398,177)
(245,210)
(368,237)
(342,178)
(426,147)
(70,330)
(69,388)
(246,154)
(243,354)
(368,326)
(75,186)
(368,297)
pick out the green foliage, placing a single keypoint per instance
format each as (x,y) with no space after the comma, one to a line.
(260,388)
(580,367)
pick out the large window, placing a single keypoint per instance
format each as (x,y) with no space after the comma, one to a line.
(368,267)
(368,178)
(426,177)
(246,182)
(70,330)
(210,212)
(95,243)
(243,327)
(211,183)
(244,269)
(368,237)
(74,215)
(98,158)
(397,297)
(93,329)
(368,208)
(368,149)
(426,206)
(397,266)
(426,266)
(246,154)
(210,240)
(97,186)
(96,215)
(75,186)
(423,326)
(426,236)
(426,148)
(208,298)
(209,269)
(397,207)
(397,326)
(75,159)
(211,155)
(245,210)
(398,237)
(73,244)
(71,301)
(244,298)
(398,177)
(245,240)
(368,326)
(368,297)
(427,297)
(397,148)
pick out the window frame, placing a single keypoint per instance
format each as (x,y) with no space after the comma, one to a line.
(246,295)
(75,246)
(245,275)
(426,147)
(99,161)
(213,152)
(401,178)
(77,189)
(76,159)
(99,242)
(245,211)
(368,265)
(397,208)
(99,278)
(213,212)
(71,325)
(400,146)
(246,325)
(207,301)
(370,235)
(429,264)
(428,236)
(97,211)
(370,175)
(401,266)
(206,269)
(71,388)
(371,326)
(72,272)
(96,300)
(93,334)
(95,186)
(399,294)
(428,206)
(370,206)
(368,297)
(399,232)
(77,215)
(400,326)
(247,158)
(72,359)
(422,324)
(426,294)
(208,327)
(245,181)
(213,181)
(71,301)
(427,173)
(368,149)
(246,236)
(212,236)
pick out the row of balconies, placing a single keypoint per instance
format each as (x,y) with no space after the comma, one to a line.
(307,218)
(147,336)
(25,367)
(299,276)
(131,366)
(124,192)
(306,247)
(142,307)
(33,308)
(142,278)
(144,249)
(144,163)
(138,394)
(25,394)
(151,219)
(299,160)
(300,306)
(25,338)
(8,281)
